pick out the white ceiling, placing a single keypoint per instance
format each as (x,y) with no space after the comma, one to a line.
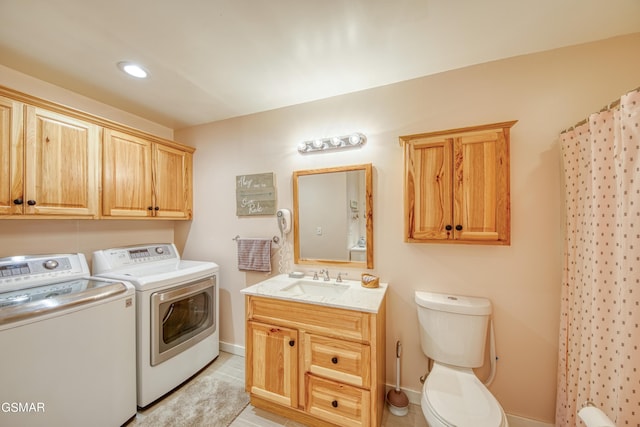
(214,59)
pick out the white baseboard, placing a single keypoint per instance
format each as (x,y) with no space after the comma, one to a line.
(238,350)
(514,420)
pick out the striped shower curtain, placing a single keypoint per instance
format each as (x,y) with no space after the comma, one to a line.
(599,359)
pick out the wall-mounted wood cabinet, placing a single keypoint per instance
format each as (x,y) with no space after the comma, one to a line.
(50,163)
(142,178)
(56,162)
(456,185)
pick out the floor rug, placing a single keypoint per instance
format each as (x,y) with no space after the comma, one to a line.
(205,401)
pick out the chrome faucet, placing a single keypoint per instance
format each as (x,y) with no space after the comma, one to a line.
(326,274)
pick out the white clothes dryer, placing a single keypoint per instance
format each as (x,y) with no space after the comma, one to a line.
(177,316)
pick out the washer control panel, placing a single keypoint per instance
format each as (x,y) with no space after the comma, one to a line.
(31,270)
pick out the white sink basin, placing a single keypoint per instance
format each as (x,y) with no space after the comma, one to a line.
(317,289)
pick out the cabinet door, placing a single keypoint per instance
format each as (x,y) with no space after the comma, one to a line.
(172,187)
(11,156)
(428,189)
(272,363)
(457,185)
(481,191)
(62,165)
(126,179)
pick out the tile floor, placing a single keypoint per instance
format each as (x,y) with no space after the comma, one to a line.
(231,367)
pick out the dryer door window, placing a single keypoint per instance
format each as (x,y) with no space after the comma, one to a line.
(181,317)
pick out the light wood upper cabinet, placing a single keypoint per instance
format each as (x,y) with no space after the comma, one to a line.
(62,165)
(457,185)
(57,162)
(11,155)
(50,163)
(143,178)
(172,182)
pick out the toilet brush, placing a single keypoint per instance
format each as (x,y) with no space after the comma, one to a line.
(396,399)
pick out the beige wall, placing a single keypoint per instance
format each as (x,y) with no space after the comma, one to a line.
(545,92)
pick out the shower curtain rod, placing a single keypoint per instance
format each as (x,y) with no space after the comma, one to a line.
(610,106)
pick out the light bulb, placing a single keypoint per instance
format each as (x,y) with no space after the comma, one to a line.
(134,70)
(303,147)
(335,141)
(317,143)
(354,139)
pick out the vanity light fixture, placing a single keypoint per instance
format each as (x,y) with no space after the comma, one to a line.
(332,143)
(133,70)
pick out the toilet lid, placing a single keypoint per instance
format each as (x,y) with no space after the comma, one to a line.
(460,399)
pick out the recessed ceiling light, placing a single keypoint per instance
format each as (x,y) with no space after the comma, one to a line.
(133,69)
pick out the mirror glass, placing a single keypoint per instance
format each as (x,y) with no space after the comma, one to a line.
(333,216)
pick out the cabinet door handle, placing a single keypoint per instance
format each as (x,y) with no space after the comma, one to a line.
(334,360)
(156,208)
(448,227)
(292,343)
(334,403)
(31,202)
(18,201)
(458,227)
(150,208)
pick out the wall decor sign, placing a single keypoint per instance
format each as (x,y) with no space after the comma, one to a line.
(255,194)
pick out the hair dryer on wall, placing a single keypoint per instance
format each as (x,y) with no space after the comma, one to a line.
(284,220)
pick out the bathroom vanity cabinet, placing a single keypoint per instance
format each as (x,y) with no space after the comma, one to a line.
(456,185)
(315,364)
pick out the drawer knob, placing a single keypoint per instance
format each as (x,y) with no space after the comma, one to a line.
(292,343)
(458,227)
(334,403)
(334,360)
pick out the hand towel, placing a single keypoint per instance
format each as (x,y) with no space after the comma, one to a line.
(254,255)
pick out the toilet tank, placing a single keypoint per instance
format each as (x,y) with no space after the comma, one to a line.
(453,328)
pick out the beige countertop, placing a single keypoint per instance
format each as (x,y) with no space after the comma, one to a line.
(349,294)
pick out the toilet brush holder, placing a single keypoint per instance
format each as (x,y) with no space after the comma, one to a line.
(397,400)
(398,403)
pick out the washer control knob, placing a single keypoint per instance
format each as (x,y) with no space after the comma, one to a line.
(159,250)
(50,264)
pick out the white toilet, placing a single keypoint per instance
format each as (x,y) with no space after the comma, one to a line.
(453,332)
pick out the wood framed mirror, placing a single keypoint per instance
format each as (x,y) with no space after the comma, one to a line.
(333,216)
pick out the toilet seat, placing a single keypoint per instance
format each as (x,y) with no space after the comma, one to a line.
(456,397)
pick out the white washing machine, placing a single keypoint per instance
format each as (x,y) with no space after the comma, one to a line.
(177,317)
(68,344)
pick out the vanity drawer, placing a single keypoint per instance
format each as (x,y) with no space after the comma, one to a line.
(328,321)
(344,361)
(340,404)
